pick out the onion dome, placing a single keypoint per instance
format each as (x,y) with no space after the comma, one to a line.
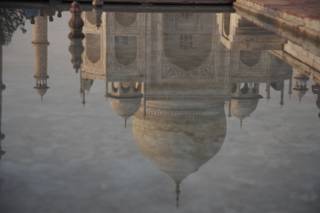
(179,136)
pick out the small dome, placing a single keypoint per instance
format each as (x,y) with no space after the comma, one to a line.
(125,107)
(242,108)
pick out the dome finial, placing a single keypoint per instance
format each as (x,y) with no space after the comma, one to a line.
(241,123)
(125,122)
(178,191)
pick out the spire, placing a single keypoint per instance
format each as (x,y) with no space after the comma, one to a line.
(178,191)
(125,122)
(241,123)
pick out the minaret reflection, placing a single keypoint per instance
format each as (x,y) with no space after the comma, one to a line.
(40,44)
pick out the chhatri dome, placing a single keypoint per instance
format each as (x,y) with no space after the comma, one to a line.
(125,98)
(244,100)
(179,136)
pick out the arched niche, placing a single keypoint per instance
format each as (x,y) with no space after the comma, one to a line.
(226,25)
(126,49)
(93,47)
(185,43)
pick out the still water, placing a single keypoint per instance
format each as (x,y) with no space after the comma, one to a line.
(156,112)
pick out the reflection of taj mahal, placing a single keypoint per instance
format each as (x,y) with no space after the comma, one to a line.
(174,72)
